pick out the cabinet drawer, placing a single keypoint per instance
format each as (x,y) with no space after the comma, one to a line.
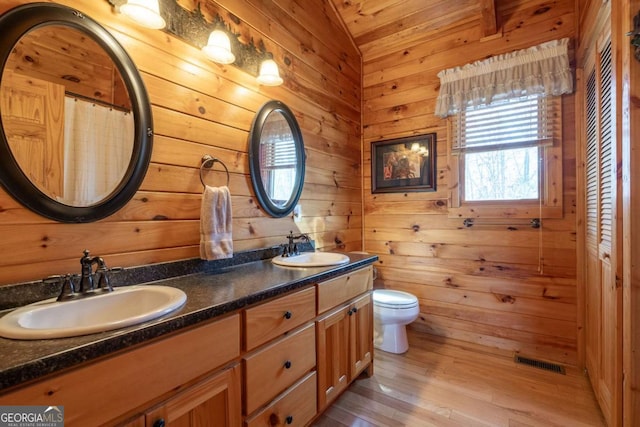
(341,289)
(277,366)
(272,319)
(295,407)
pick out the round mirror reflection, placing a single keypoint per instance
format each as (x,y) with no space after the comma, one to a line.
(276,158)
(76,125)
(66,115)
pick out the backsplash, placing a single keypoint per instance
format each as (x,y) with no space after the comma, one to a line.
(19,294)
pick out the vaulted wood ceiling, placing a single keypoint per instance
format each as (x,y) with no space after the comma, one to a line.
(379,26)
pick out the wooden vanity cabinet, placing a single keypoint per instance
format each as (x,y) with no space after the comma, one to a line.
(163,372)
(344,338)
(279,363)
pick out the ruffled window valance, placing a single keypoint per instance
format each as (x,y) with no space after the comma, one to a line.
(542,69)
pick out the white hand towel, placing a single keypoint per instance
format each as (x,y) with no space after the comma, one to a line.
(216,241)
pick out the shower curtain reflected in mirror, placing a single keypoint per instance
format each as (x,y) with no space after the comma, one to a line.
(98,147)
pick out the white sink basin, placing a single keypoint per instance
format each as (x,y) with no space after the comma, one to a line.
(125,306)
(312,259)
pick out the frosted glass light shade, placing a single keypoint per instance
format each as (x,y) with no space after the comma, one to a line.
(269,74)
(218,48)
(144,12)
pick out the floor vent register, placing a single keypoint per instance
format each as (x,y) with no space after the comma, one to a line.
(539,364)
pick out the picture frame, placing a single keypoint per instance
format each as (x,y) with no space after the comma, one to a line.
(404,164)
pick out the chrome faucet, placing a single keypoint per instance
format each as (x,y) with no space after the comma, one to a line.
(291,248)
(84,284)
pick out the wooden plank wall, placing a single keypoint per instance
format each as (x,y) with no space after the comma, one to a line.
(480,284)
(200,107)
(624,13)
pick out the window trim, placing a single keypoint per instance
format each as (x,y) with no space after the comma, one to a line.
(551,187)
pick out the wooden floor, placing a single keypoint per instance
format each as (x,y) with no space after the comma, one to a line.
(439,382)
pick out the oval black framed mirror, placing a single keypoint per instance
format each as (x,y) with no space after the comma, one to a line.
(276,158)
(71,149)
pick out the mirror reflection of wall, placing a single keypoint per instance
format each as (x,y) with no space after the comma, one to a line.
(67,115)
(278,159)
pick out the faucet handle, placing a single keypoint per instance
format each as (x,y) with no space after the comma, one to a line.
(103,272)
(285,250)
(68,288)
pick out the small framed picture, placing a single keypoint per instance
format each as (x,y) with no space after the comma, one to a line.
(404,164)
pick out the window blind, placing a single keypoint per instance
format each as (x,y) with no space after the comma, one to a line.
(508,124)
(278,153)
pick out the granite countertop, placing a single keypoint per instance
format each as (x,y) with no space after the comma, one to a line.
(209,294)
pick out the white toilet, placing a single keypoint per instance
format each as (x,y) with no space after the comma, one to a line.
(392,311)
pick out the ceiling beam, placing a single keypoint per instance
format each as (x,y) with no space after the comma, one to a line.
(488,22)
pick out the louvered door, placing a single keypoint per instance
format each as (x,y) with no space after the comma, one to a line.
(603,304)
(593,294)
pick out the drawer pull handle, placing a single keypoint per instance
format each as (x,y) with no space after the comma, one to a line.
(287,315)
(159,423)
(352,311)
(287,364)
(289,419)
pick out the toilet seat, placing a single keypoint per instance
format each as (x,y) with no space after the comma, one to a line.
(394,299)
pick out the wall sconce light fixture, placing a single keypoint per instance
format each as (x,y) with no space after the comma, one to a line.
(144,12)
(223,45)
(269,74)
(218,48)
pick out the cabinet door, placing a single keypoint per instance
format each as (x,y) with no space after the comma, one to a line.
(214,402)
(360,335)
(333,355)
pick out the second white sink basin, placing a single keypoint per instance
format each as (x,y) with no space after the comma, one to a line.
(125,306)
(312,259)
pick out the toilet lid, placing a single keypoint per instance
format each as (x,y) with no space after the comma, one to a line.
(394,299)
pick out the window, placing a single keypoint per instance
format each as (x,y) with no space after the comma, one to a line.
(278,158)
(507,156)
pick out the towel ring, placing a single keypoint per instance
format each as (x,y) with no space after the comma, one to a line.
(207,162)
